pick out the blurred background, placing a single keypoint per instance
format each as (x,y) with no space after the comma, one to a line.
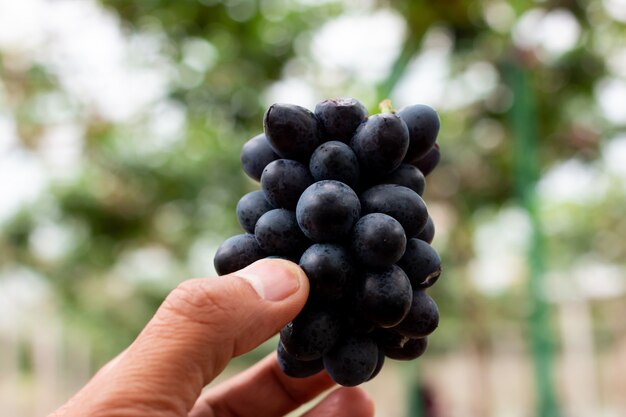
(121,125)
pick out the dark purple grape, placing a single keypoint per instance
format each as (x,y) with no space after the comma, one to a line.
(412,349)
(283,181)
(330,270)
(428,232)
(379,364)
(387,338)
(381,143)
(291,130)
(352,361)
(422,318)
(296,368)
(385,296)
(335,161)
(340,117)
(423,124)
(341,196)
(250,207)
(408,176)
(354,318)
(327,210)
(428,162)
(378,240)
(401,203)
(311,334)
(255,155)
(277,232)
(236,253)
(421,263)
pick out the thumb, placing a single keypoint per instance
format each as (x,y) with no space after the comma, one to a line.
(200,326)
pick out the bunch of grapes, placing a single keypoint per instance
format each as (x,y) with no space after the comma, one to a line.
(341,196)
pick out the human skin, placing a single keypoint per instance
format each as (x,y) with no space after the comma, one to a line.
(199,328)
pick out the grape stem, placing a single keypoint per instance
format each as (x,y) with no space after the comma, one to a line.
(386,106)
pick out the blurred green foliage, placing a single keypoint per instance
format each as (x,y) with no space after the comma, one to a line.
(183,198)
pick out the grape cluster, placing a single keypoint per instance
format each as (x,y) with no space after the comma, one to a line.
(341,196)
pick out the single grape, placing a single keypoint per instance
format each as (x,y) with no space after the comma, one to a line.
(291,130)
(428,232)
(412,349)
(428,162)
(283,181)
(406,175)
(340,117)
(385,296)
(421,263)
(277,232)
(296,368)
(255,155)
(327,210)
(401,203)
(311,334)
(381,143)
(335,161)
(330,270)
(236,253)
(352,361)
(387,338)
(250,207)
(422,318)
(423,124)
(378,240)
(379,364)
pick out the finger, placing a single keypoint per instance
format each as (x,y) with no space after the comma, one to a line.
(199,327)
(107,367)
(261,390)
(344,402)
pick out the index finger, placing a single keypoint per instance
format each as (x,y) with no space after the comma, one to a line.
(261,390)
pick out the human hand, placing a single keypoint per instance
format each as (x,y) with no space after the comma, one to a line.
(200,326)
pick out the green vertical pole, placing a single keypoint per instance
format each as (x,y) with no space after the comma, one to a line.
(524,127)
(408,51)
(415,404)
